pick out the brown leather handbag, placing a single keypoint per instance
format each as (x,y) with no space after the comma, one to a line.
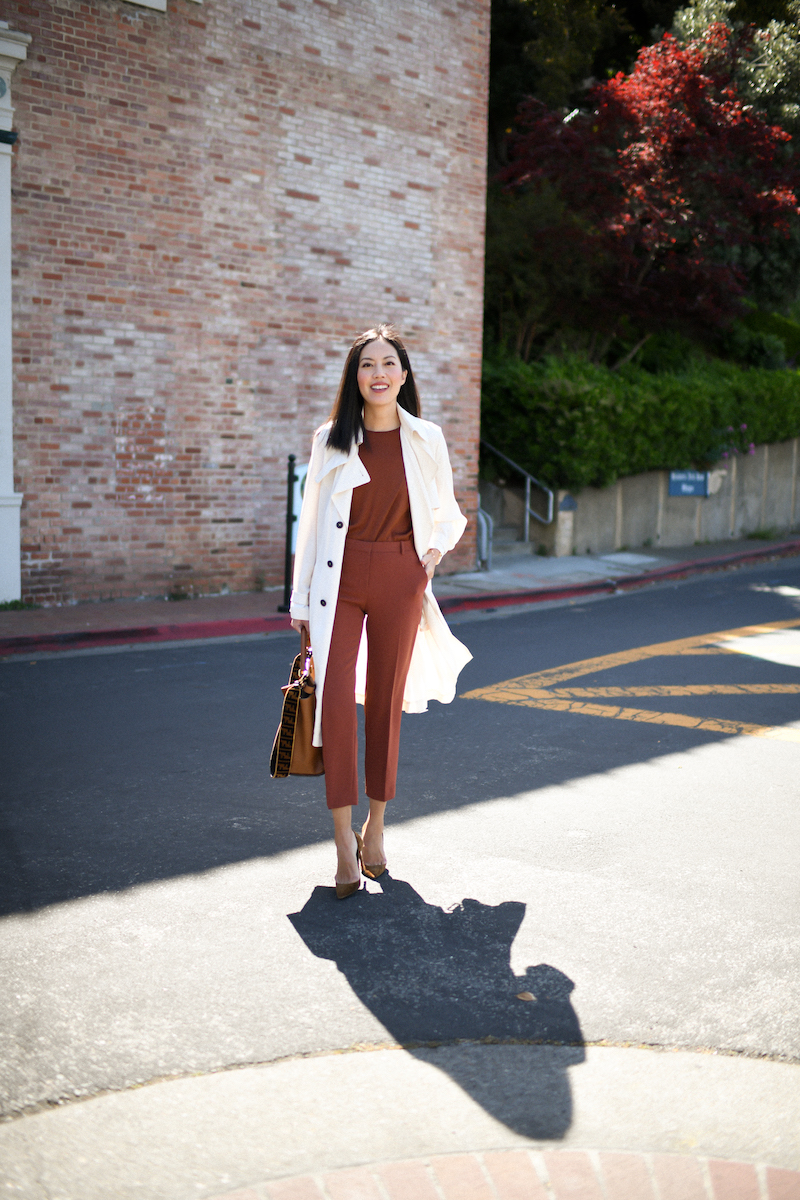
(292,751)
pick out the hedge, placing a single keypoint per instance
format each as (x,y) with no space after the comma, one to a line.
(573,424)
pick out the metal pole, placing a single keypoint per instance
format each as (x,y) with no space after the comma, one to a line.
(290,519)
(527,508)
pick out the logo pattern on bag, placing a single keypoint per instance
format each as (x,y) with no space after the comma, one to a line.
(281,757)
(300,687)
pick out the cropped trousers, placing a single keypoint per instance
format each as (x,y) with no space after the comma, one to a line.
(384,583)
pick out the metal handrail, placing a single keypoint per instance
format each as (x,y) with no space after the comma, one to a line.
(485,538)
(529,479)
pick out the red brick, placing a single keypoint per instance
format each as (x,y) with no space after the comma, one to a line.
(679,1178)
(626,1177)
(406,1181)
(572,1176)
(303,1188)
(783,1185)
(733,1180)
(209,280)
(460,1177)
(513,1175)
(354,1184)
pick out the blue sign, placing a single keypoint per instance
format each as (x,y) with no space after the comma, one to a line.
(688,483)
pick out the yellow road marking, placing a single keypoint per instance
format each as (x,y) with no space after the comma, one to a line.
(537,690)
(689,689)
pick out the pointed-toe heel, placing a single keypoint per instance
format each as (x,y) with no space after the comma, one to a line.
(370,870)
(343,890)
(373,870)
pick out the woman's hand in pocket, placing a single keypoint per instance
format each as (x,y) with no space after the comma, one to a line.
(430,561)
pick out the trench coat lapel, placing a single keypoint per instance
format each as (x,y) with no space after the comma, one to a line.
(420,468)
(350,473)
(417,438)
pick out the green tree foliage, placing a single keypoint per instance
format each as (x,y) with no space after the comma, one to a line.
(766,70)
(549,400)
(658,199)
(548,49)
(783,330)
(543,267)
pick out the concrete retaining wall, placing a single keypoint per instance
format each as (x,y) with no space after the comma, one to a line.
(753,492)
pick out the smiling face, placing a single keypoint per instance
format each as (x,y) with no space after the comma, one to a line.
(380,375)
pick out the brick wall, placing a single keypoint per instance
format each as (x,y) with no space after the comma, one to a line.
(208,204)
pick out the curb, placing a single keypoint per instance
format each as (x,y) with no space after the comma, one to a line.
(454,604)
(80,639)
(140,635)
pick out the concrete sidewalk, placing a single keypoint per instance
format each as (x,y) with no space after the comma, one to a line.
(513,581)
(394,1124)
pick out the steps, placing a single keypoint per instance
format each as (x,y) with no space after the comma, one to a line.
(507,542)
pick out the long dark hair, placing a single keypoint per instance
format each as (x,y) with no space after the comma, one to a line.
(347,414)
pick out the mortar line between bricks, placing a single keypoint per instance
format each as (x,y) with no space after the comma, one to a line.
(648,1158)
(594,1159)
(431,1173)
(319,1180)
(376,1179)
(707,1181)
(487,1177)
(382,1192)
(540,1167)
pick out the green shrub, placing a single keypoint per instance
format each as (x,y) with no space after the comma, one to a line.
(776,326)
(753,347)
(575,425)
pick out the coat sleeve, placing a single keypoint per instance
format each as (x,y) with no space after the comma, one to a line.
(306,548)
(449,521)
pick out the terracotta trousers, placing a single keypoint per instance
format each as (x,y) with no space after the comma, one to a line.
(384,582)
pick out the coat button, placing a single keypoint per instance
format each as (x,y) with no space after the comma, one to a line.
(330,564)
(339,524)
(323,603)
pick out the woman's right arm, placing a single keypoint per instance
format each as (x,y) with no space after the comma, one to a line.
(306,549)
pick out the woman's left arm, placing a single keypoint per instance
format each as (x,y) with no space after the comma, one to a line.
(449,521)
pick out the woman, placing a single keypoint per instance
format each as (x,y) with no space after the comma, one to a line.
(378,515)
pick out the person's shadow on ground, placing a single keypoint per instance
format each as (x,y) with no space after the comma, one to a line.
(431,976)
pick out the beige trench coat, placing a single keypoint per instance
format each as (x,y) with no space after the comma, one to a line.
(438,523)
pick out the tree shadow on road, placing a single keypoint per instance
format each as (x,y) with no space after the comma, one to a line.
(434,976)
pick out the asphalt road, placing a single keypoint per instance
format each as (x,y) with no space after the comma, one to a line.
(168,907)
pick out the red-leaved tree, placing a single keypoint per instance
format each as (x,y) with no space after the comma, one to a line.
(669,176)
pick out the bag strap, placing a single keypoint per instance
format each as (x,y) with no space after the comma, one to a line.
(280,760)
(306,653)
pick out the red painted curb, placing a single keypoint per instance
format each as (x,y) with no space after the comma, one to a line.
(140,635)
(82,639)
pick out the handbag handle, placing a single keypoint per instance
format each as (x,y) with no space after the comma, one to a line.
(306,652)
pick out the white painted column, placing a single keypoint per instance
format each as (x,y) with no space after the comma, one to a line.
(13,50)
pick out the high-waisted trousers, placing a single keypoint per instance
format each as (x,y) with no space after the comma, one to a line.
(384,582)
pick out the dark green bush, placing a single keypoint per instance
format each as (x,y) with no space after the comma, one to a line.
(573,424)
(774,325)
(753,347)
